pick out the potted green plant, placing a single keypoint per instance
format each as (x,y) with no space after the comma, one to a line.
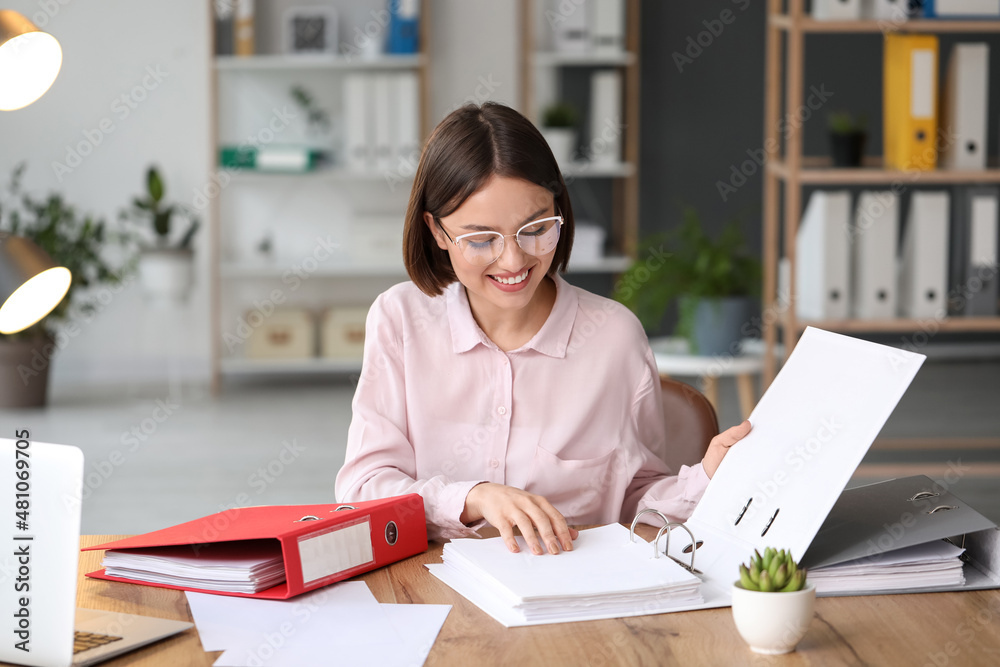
(166,268)
(848,134)
(773,602)
(713,281)
(559,130)
(76,241)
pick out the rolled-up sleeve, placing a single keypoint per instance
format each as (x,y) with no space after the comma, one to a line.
(653,486)
(381,460)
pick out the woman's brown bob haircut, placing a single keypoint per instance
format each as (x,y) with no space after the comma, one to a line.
(468,148)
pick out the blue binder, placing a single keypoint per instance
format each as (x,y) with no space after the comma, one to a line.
(404,27)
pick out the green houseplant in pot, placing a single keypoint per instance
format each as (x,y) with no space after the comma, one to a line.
(559,130)
(78,242)
(772,602)
(166,268)
(848,134)
(713,281)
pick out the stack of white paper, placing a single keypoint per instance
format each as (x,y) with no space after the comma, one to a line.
(604,576)
(231,567)
(921,566)
(341,624)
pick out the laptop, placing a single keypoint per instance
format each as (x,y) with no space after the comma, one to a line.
(40,492)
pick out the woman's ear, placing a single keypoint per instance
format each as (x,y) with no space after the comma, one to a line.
(435,231)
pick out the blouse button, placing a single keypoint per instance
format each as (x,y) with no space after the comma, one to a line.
(502,410)
(494,463)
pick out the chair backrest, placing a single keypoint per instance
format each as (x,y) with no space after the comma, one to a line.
(691,423)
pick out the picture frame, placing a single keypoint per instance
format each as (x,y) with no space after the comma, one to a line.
(310,30)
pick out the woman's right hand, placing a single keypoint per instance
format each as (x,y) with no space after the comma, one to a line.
(505,507)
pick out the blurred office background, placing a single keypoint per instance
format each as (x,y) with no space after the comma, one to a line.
(188,404)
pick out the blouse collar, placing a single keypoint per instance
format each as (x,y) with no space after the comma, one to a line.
(552,339)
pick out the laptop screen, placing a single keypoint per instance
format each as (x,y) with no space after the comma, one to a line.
(40,491)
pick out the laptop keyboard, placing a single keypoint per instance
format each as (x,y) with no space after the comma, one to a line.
(85,640)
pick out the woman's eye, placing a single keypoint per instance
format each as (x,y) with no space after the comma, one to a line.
(535,231)
(473,243)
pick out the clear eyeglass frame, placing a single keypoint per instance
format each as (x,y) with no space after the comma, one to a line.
(526,244)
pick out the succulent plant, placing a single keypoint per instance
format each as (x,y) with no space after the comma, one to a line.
(774,572)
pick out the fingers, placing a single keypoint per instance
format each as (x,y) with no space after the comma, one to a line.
(541,525)
(507,535)
(560,534)
(731,436)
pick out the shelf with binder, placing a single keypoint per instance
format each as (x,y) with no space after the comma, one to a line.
(284,62)
(599,41)
(596,170)
(902,325)
(336,174)
(810,25)
(271,214)
(268,367)
(819,171)
(790,171)
(557,59)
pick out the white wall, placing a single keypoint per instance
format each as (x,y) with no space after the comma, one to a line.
(110,47)
(156,55)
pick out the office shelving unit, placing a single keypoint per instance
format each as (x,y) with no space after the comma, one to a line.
(541,66)
(791,170)
(237,281)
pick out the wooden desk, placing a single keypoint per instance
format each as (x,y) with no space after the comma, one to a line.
(931,629)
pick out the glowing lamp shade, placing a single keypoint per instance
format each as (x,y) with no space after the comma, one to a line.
(29,61)
(31,284)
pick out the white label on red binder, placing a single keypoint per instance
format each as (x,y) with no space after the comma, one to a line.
(342,548)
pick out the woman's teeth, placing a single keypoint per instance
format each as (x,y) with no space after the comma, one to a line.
(512,281)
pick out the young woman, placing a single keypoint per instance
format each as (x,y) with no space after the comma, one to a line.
(493,388)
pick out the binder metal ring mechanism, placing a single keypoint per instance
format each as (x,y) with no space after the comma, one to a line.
(667,527)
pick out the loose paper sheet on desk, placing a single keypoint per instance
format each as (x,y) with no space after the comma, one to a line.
(341,624)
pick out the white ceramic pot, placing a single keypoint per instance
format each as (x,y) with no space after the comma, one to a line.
(562,142)
(773,623)
(167,273)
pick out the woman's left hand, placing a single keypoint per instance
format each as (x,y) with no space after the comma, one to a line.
(719,447)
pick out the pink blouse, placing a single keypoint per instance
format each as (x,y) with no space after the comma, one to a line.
(574,415)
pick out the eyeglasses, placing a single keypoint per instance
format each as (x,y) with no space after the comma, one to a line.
(483,248)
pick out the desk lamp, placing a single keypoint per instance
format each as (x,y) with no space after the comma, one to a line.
(29,61)
(31,284)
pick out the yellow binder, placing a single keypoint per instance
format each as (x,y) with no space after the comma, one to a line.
(910,104)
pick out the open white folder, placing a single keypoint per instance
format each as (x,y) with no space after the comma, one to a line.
(811,429)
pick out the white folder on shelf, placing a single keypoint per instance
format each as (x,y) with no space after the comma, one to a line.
(406,110)
(964,108)
(885,10)
(874,239)
(822,257)
(974,286)
(923,268)
(606,117)
(953,9)
(572,31)
(836,10)
(607,21)
(359,136)
(382,102)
